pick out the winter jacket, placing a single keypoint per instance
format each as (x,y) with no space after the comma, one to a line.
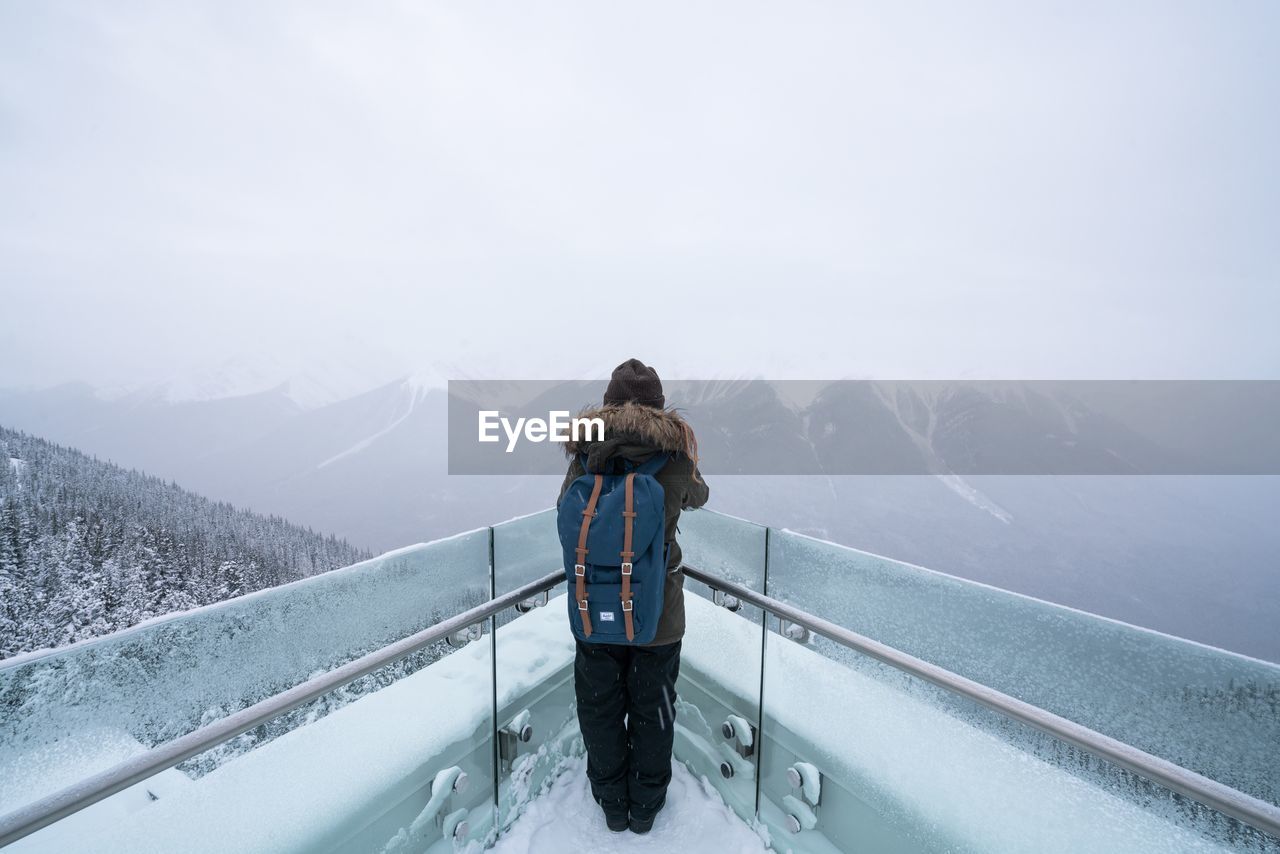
(636,432)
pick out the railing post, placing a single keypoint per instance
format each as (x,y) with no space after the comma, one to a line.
(493,682)
(764,639)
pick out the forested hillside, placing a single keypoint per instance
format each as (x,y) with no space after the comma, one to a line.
(87,547)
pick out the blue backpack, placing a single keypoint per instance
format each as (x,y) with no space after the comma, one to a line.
(613,532)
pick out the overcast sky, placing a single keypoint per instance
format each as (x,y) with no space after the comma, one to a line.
(786,190)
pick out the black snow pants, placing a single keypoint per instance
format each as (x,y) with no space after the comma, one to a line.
(628,762)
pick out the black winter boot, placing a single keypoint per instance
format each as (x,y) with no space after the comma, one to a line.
(639,824)
(614,818)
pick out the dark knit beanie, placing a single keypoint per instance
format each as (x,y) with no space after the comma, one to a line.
(633,380)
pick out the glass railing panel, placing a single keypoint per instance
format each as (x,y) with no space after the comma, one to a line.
(406,767)
(524,550)
(861,757)
(718,693)
(1207,710)
(725,546)
(76,711)
(537,720)
(718,733)
(537,727)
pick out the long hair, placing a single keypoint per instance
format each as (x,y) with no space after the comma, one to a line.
(690,446)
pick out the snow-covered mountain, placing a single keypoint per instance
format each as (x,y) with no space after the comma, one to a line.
(1192,556)
(87,548)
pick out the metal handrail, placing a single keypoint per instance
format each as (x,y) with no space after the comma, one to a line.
(58,805)
(1245,808)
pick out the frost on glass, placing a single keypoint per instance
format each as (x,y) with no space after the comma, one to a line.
(71,712)
(724,546)
(1211,711)
(727,547)
(524,550)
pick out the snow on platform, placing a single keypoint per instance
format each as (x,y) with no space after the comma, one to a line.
(565,818)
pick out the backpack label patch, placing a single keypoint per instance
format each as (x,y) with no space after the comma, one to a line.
(606,616)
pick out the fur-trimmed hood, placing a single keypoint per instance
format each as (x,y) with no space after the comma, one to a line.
(663,429)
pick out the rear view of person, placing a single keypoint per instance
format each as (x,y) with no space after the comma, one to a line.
(626,691)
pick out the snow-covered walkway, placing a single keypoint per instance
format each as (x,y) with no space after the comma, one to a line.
(695,820)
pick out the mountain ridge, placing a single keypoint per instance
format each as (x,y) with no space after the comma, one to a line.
(88,547)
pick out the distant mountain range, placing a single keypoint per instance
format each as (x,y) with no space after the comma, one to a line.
(1194,556)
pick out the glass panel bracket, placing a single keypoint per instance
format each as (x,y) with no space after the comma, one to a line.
(524,606)
(464,636)
(510,737)
(794,631)
(726,600)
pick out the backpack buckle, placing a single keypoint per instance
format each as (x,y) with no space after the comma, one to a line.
(626,604)
(579,569)
(582,605)
(626,568)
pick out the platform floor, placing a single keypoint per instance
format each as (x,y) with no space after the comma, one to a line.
(565,818)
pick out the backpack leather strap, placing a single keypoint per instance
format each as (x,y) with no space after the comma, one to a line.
(628,518)
(580,568)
